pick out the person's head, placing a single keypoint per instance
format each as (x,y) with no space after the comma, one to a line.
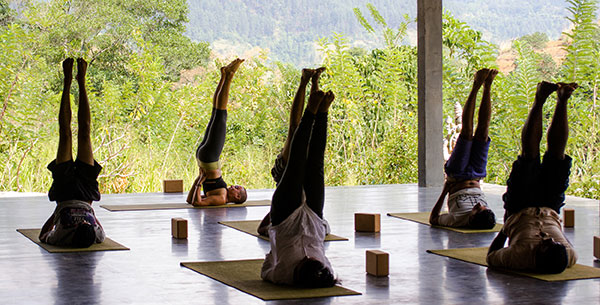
(236,194)
(481,218)
(551,257)
(84,235)
(312,273)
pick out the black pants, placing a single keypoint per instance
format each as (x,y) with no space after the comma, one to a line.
(304,170)
(212,144)
(537,184)
(74,180)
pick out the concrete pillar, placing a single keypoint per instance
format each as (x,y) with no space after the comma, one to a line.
(429,29)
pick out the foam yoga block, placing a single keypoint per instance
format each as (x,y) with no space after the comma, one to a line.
(364,222)
(597,247)
(179,227)
(378,263)
(569,218)
(173,186)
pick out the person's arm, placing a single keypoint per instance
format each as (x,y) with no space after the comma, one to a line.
(498,242)
(216,199)
(100,235)
(47,227)
(435,212)
(263,227)
(195,193)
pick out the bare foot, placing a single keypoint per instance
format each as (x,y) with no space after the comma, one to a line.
(565,90)
(491,75)
(68,68)
(307,74)
(81,69)
(481,76)
(315,79)
(232,67)
(314,101)
(327,100)
(544,89)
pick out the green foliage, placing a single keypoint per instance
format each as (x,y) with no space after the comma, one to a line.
(536,40)
(147,122)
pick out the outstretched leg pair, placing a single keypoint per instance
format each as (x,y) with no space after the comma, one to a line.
(535,184)
(303,176)
(74,186)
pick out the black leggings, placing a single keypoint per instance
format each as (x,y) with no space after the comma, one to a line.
(211,146)
(304,170)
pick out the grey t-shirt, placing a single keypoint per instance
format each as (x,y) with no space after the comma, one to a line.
(67,216)
(460,205)
(298,236)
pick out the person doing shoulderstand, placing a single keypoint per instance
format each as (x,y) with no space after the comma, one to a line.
(297,230)
(73,222)
(295,116)
(535,193)
(209,151)
(467,205)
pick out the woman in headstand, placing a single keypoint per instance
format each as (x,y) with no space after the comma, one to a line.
(297,230)
(209,178)
(295,116)
(74,187)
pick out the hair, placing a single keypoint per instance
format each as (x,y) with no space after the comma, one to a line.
(551,257)
(483,220)
(84,236)
(311,273)
(243,196)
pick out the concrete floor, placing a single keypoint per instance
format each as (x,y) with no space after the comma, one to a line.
(150,272)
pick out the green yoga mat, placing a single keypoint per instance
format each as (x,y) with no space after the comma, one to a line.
(169,206)
(244,275)
(107,245)
(250,226)
(423,217)
(478,255)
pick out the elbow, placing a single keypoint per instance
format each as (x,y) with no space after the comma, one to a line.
(433,221)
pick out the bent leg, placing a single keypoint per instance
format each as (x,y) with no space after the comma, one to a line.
(288,194)
(65,142)
(84,142)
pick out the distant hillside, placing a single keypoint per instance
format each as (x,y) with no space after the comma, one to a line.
(290,28)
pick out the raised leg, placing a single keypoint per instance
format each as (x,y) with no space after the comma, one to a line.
(214,107)
(314,180)
(558,131)
(223,95)
(84,142)
(288,194)
(466,131)
(65,142)
(314,86)
(296,111)
(532,130)
(485,108)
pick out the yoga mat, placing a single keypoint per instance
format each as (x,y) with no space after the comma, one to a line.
(168,206)
(107,245)
(250,226)
(478,255)
(244,275)
(423,217)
